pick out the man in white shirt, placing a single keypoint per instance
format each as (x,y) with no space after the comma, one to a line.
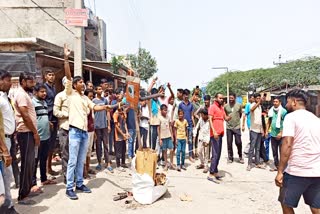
(299,167)
(9,128)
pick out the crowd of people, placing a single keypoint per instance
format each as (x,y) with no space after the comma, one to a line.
(86,117)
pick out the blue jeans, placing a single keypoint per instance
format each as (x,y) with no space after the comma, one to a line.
(216,146)
(266,144)
(190,139)
(78,146)
(181,150)
(132,139)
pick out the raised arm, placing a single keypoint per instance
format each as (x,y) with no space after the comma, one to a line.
(66,62)
(171,92)
(153,82)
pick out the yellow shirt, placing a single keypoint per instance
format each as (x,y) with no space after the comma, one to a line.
(181,129)
(79,107)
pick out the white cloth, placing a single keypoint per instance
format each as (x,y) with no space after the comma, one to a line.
(204,131)
(8,114)
(271,113)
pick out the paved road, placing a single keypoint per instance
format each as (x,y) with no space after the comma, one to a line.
(240,192)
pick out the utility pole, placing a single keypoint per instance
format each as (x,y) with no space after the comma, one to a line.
(78,44)
(279,62)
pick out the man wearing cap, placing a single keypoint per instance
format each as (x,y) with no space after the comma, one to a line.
(61,111)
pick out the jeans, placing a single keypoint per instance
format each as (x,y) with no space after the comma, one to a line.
(64,148)
(267,144)
(120,150)
(237,135)
(102,137)
(131,141)
(53,136)
(181,150)
(263,152)
(111,138)
(190,141)
(27,154)
(216,146)
(144,136)
(42,157)
(276,146)
(78,145)
(153,137)
(7,176)
(255,142)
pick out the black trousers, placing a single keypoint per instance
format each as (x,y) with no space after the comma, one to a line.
(15,166)
(120,148)
(102,137)
(236,133)
(27,146)
(144,136)
(42,157)
(276,146)
(64,147)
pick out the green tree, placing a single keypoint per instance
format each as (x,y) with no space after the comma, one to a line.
(116,63)
(302,72)
(143,63)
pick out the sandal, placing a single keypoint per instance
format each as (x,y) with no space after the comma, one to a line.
(200,166)
(120,197)
(212,180)
(48,182)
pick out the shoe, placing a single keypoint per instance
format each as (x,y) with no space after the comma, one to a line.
(183,167)
(241,160)
(179,168)
(72,195)
(98,167)
(249,167)
(84,189)
(230,161)
(124,166)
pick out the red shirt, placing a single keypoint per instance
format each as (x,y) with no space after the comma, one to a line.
(217,112)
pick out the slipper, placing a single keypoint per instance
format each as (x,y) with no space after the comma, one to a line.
(120,197)
(110,169)
(212,180)
(50,177)
(200,167)
(48,182)
(219,177)
(26,202)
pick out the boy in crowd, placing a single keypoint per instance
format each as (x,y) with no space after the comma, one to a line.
(144,122)
(102,129)
(121,136)
(188,110)
(181,126)
(90,94)
(165,136)
(203,126)
(43,127)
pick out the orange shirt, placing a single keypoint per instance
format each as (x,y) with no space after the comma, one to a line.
(217,112)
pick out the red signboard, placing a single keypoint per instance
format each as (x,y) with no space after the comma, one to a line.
(76,17)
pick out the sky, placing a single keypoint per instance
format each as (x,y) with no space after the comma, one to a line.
(189,37)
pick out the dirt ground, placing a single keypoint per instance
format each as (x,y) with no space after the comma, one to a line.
(239,192)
